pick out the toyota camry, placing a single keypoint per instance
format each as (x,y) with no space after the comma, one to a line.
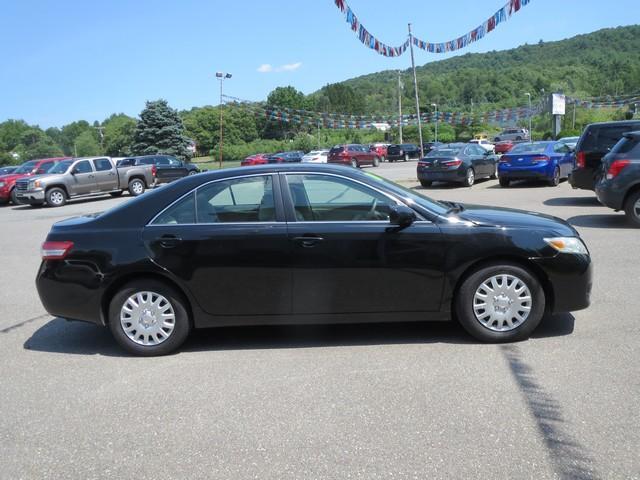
(305,243)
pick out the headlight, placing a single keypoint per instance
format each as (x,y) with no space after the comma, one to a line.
(568,245)
(2,184)
(36,184)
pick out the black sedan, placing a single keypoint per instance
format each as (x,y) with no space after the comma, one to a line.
(405,151)
(457,162)
(287,244)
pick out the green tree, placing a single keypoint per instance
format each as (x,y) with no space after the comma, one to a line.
(288,97)
(86,144)
(118,135)
(69,133)
(160,130)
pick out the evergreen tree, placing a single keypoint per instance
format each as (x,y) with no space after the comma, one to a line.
(160,130)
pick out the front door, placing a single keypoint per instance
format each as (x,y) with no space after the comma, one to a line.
(347,258)
(228,243)
(84,179)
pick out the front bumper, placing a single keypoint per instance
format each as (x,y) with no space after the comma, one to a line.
(570,281)
(31,197)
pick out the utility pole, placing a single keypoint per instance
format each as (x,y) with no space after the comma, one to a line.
(573,123)
(415,86)
(436,106)
(400,106)
(529,115)
(222,77)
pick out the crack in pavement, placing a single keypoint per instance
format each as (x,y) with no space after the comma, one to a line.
(23,323)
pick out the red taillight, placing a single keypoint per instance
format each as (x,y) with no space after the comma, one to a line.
(55,250)
(581,159)
(452,163)
(154,170)
(616,167)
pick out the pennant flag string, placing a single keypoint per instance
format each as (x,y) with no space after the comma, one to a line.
(369,40)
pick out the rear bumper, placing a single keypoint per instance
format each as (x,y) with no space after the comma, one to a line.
(522,173)
(610,194)
(457,175)
(583,178)
(570,281)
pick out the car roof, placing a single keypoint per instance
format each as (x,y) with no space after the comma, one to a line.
(618,122)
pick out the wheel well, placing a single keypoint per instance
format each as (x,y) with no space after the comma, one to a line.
(62,187)
(138,177)
(522,262)
(630,192)
(122,281)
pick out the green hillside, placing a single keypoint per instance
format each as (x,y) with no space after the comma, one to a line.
(605,62)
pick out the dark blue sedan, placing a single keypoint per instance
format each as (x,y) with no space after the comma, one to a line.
(548,161)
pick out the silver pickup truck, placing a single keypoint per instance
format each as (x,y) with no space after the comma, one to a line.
(80,177)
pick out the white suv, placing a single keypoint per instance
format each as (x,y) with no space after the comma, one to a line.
(513,134)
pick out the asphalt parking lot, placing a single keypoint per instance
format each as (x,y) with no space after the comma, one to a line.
(375,401)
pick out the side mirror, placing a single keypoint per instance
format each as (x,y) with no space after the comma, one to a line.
(402,216)
(73,171)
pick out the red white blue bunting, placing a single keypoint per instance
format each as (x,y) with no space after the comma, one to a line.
(369,40)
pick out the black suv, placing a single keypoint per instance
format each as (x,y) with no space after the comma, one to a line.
(405,152)
(619,185)
(595,142)
(168,168)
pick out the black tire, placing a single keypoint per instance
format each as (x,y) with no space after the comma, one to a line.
(354,163)
(14,197)
(192,172)
(116,194)
(390,160)
(136,187)
(382,158)
(518,139)
(469,177)
(505,182)
(56,197)
(376,161)
(555,180)
(426,183)
(182,323)
(632,208)
(464,304)
(497,139)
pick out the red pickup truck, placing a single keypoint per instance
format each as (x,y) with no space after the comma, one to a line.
(27,169)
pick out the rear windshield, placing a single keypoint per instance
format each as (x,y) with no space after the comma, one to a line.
(600,138)
(627,145)
(445,152)
(61,167)
(530,148)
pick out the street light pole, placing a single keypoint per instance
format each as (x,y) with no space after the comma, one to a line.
(400,106)
(529,115)
(415,86)
(436,106)
(222,77)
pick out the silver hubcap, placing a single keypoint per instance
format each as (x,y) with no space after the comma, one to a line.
(147,318)
(56,198)
(502,303)
(137,187)
(636,209)
(470,177)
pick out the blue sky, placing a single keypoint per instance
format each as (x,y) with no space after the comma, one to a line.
(67,60)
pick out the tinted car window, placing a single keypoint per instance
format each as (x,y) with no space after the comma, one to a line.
(146,161)
(526,148)
(45,167)
(336,150)
(161,161)
(102,164)
(603,138)
(627,145)
(83,167)
(61,167)
(561,148)
(445,152)
(182,212)
(174,162)
(239,200)
(329,198)
(27,167)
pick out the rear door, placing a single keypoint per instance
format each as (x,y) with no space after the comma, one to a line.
(83,178)
(478,160)
(227,242)
(106,177)
(347,259)
(599,140)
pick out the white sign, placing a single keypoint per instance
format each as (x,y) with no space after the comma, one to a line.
(557,104)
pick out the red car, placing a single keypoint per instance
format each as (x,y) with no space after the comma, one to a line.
(354,155)
(27,169)
(257,159)
(380,149)
(504,146)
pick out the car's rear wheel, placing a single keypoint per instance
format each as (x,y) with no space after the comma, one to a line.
(149,318)
(632,208)
(376,161)
(504,182)
(470,177)
(382,158)
(56,197)
(354,163)
(518,138)
(406,157)
(192,172)
(555,180)
(500,302)
(136,187)
(425,183)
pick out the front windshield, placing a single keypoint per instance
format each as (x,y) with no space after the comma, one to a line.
(530,148)
(450,151)
(26,167)
(415,196)
(61,167)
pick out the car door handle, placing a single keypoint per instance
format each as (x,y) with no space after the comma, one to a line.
(308,241)
(170,241)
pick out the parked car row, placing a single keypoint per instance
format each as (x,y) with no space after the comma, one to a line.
(54,181)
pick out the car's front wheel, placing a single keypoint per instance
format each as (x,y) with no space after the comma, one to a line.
(56,197)
(500,303)
(192,172)
(149,318)
(376,161)
(14,197)
(354,163)
(632,208)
